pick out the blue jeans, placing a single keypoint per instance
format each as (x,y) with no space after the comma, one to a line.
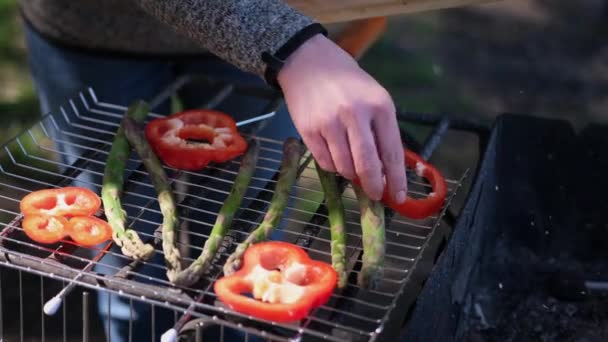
(60,73)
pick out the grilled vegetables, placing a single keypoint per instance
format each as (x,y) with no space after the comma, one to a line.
(335,208)
(67,201)
(285,283)
(45,229)
(193,273)
(189,140)
(89,230)
(111,191)
(46,213)
(373,236)
(424,207)
(292,152)
(135,135)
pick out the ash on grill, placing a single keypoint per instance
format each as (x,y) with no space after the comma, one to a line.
(551,303)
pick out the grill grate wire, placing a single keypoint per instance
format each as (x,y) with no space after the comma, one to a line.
(82,132)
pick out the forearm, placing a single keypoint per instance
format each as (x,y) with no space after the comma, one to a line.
(236,31)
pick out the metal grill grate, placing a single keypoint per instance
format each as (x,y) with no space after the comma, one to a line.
(70,147)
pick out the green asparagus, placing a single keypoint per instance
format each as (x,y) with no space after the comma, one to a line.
(193,273)
(137,139)
(176,104)
(373,235)
(111,191)
(292,152)
(335,209)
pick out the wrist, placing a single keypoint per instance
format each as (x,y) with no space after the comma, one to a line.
(318,56)
(304,56)
(275,62)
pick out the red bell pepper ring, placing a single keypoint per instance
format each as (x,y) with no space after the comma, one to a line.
(285,283)
(45,229)
(84,230)
(67,202)
(191,139)
(88,230)
(423,207)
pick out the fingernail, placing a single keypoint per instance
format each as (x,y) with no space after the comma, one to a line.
(400,197)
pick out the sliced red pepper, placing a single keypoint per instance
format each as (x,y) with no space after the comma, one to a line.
(191,139)
(284,282)
(45,229)
(89,230)
(68,201)
(422,207)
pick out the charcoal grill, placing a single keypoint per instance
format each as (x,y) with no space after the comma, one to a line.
(82,131)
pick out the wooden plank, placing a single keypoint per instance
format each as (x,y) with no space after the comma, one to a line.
(359,35)
(332,11)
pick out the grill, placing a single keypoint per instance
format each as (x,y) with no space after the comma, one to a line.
(69,147)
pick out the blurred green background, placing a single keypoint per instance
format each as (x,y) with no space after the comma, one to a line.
(18,104)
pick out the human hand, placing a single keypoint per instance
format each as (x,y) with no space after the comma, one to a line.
(345,117)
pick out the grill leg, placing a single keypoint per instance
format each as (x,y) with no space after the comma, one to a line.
(42,318)
(21,305)
(199,333)
(65,316)
(1,309)
(85,317)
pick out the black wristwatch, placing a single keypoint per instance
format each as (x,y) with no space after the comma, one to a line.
(274,63)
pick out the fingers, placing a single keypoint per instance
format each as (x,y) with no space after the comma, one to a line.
(391,153)
(339,148)
(317,146)
(365,159)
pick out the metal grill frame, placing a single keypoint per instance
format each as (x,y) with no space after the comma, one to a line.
(195,303)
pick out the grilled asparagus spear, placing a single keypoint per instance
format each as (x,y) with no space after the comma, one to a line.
(137,139)
(111,191)
(193,273)
(335,209)
(373,235)
(292,152)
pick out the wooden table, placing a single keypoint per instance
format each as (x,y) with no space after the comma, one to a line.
(333,11)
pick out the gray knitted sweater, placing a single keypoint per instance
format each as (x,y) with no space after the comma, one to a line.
(238,31)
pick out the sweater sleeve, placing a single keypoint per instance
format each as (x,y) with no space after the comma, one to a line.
(238,31)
